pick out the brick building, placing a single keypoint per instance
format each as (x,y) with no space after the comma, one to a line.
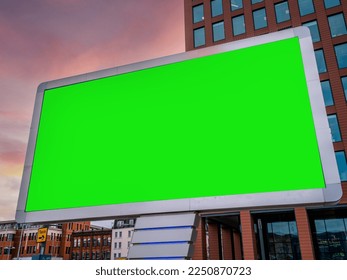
(93,244)
(291,233)
(19,241)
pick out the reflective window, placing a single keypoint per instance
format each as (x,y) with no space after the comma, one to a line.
(319,54)
(259,19)
(218,31)
(327,94)
(344,85)
(256,1)
(198,13)
(330,238)
(282,12)
(341,55)
(236,4)
(306,7)
(280,236)
(216,7)
(334,127)
(337,25)
(239,25)
(313,26)
(199,37)
(341,164)
(331,3)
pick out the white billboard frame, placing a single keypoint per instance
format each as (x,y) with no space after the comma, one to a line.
(329,195)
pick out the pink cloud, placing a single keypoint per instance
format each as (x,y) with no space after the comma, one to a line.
(45,40)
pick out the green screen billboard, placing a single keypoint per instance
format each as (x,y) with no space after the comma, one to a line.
(231,123)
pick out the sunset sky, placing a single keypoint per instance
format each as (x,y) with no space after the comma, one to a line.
(44,40)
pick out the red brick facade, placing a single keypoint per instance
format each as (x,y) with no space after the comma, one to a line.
(250,246)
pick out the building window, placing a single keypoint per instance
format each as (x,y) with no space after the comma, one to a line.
(341,55)
(313,26)
(337,25)
(344,85)
(327,94)
(334,127)
(129,233)
(277,235)
(341,164)
(239,25)
(199,37)
(306,7)
(256,1)
(216,7)
(259,19)
(331,3)
(218,31)
(329,231)
(236,4)
(319,54)
(119,245)
(198,13)
(116,245)
(10,237)
(282,12)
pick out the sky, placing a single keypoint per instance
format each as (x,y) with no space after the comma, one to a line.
(44,40)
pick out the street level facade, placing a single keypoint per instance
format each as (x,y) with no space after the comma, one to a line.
(20,241)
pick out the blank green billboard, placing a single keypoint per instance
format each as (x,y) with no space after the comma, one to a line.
(232,123)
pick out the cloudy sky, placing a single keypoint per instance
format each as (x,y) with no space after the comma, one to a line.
(44,40)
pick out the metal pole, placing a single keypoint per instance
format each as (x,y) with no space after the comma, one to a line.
(8,246)
(20,241)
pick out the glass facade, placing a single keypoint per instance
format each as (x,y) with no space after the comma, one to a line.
(312,25)
(334,127)
(337,25)
(199,37)
(216,8)
(306,7)
(198,13)
(341,164)
(327,94)
(278,236)
(344,85)
(236,4)
(329,230)
(341,55)
(283,240)
(259,19)
(218,31)
(239,25)
(319,54)
(331,3)
(256,1)
(282,12)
